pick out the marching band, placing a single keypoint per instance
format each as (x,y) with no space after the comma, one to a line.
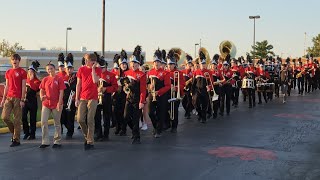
(131,91)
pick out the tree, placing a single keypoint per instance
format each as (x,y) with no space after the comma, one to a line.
(262,49)
(6,50)
(315,49)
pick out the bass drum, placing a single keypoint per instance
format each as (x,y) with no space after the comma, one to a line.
(247,84)
(270,87)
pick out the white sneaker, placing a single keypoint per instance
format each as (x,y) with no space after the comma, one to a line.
(144,126)
(194,111)
(140,124)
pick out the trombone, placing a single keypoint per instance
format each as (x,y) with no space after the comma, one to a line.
(174,96)
(100,94)
(70,100)
(153,90)
(209,81)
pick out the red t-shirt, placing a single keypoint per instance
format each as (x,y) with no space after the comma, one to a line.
(89,89)
(52,87)
(34,83)
(15,77)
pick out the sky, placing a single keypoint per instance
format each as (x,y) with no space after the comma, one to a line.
(166,24)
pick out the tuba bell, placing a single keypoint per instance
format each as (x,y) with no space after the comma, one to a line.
(227,47)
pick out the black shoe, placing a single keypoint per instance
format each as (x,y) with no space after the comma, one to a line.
(26,136)
(214,116)
(98,138)
(56,146)
(42,146)
(136,141)
(122,133)
(79,127)
(157,135)
(117,131)
(188,116)
(221,113)
(173,130)
(88,147)
(203,121)
(209,116)
(259,102)
(31,137)
(15,143)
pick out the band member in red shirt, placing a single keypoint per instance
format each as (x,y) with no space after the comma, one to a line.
(108,85)
(159,85)
(201,88)
(235,82)
(187,98)
(226,89)
(51,95)
(177,83)
(135,87)
(62,73)
(300,77)
(14,98)
(69,108)
(217,77)
(31,104)
(119,97)
(87,98)
(262,77)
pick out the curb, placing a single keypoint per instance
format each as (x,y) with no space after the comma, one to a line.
(6,130)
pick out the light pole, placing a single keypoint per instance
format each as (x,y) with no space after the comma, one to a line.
(103,24)
(254,33)
(195,49)
(68,29)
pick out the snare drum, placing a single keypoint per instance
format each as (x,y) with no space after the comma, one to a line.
(260,87)
(269,87)
(247,84)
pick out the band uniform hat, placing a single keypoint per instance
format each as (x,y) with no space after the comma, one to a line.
(34,66)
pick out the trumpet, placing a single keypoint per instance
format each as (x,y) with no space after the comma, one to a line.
(70,100)
(209,81)
(126,89)
(100,94)
(153,90)
(176,83)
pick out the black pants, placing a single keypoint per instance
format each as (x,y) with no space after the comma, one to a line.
(252,96)
(132,115)
(235,95)
(118,110)
(187,103)
(294,82)
(301,84)
(174,122)
(31,107)
(226,92)
(277,88)
(158,112)
(106,110)
(67,118)
(201,102)
(308,83)
(264,96)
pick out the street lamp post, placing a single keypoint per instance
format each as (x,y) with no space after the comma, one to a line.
(103,25)
(195,49)
(68,29)
(254,33)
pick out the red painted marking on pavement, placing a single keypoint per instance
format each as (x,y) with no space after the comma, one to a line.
(245,154)
(296,116)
